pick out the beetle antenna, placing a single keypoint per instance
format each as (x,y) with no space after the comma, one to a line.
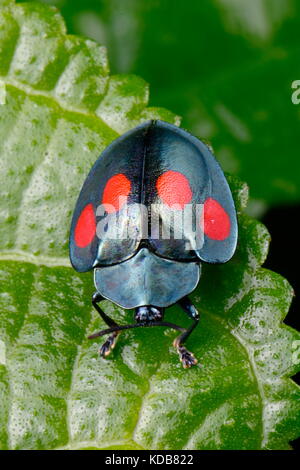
(135,325)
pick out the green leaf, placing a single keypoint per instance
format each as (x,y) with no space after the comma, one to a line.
(60,109)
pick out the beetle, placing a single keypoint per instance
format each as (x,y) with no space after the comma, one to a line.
(129,226)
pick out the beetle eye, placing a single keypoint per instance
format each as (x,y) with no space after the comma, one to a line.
(158,312)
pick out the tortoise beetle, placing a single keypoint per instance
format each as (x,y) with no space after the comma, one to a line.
(154,206)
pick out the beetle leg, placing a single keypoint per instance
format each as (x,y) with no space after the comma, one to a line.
(110,343)
(186,357)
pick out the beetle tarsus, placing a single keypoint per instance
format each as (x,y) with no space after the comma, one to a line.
(109,344)
(186,357)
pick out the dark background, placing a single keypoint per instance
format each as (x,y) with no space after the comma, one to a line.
(226,67)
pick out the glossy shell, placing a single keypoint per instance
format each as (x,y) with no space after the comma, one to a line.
(155,163)
(146,279)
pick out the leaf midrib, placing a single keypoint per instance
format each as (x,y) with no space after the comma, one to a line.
(31,92)
(38,260)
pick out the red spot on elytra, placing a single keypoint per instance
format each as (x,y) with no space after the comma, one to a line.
(116,192)
(86,227)
(216,220)
(174,188)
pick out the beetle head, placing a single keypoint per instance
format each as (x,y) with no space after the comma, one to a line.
(148,313)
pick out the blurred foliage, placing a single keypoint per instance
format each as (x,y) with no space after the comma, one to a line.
(226,66)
